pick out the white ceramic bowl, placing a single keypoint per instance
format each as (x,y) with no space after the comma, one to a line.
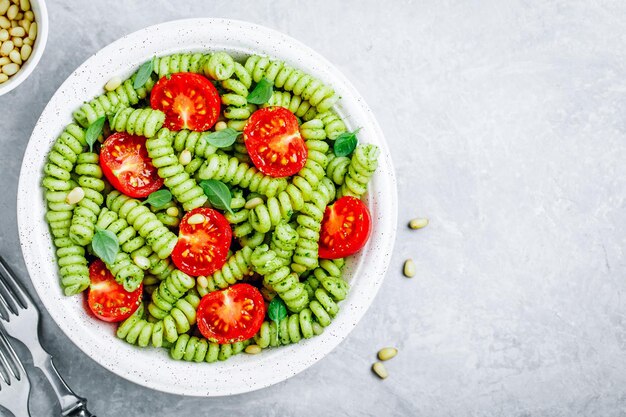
(41,17)
(150,367)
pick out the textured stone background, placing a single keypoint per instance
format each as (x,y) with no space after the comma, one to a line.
(506,120)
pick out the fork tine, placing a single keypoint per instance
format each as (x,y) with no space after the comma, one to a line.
(15,288)
(7,369)
(17,362)
(5,310)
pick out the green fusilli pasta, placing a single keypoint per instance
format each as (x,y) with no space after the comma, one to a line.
(235,269)
(125,271)
(171,64)
(290,79)
(123,96)
(294,103)
(143,122)
(182,186)
(291,329)
(309,225)
(230,170)
(237,110)
(363,163)
(170,290)
(194,349)
(333,125)
(87,209)
(337,167)
(160,239)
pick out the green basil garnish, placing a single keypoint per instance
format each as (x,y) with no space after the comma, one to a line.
(93,132)
(345,143)
(159,198)
(223,138)
(218,193)
(144,72)
(105,245)
(261,93)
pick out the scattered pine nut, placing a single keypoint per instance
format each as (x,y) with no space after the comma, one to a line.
(15,56)
(3,78)
(12,12)
(4,6)
(418,223)
(387,353)
(409,268)
(220,126)
(10,69)
(142,262)
(4,60)
(172,211)
(75,195)
(25,5)
(196,219)
(380,370)
(185,157)
(113,83)
(203,282)
(253,349)
(253,202)
(4,35)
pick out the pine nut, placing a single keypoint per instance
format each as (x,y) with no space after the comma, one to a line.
(253,349)
(3,78)
(409,268)
(32,31)
(172,211)
(418,223)
(25,52)
(387,353)
(113,83)
(25,24)
(380,370)
(4,6)
(4,35)
(4,60)
(28,41)
(18,31)
(5,23)
(6,48)
(13,23)
(142,262)
(12,12)
(253,202)
(196,219)
(25,5)
(29,15)
(220,126)
(10,69)
(15,56)
(75,195)
(185,157)
(19,16)
(202,281)
(17,42)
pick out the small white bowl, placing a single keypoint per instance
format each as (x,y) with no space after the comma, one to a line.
(41,17)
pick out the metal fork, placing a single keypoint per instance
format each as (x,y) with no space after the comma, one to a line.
(14,383)
(21,321)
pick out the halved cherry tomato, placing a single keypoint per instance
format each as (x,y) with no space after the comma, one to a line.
(107,299)
(202,247)
(189,101)
(273,140)
(345,228)
(125,163)
(231,315)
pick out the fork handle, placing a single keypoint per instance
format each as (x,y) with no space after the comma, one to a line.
(71,404)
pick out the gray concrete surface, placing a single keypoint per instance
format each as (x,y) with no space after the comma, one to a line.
(506,121)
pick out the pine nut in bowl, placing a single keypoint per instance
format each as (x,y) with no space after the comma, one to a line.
(23,37)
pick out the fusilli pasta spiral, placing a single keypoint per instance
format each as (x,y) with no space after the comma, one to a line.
(237,110)
(182,186)
(363,163)
(235,269)
(294,103)
(194,349)
(170,290)
(143,122)
(291,329)
(87,209)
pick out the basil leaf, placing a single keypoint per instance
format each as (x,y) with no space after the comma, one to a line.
(261,93)
(345,143)
(223,138)
(105,245)
(277,310)
(218,193)
(159,198)
(144,72)
(93,132)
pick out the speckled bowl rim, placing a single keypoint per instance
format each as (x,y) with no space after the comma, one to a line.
(150,367)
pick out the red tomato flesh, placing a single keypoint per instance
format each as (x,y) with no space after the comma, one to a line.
(202,248)
(107,299)
(274,143)
(231,315)
(125,163)
(346,228)
(189,101)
